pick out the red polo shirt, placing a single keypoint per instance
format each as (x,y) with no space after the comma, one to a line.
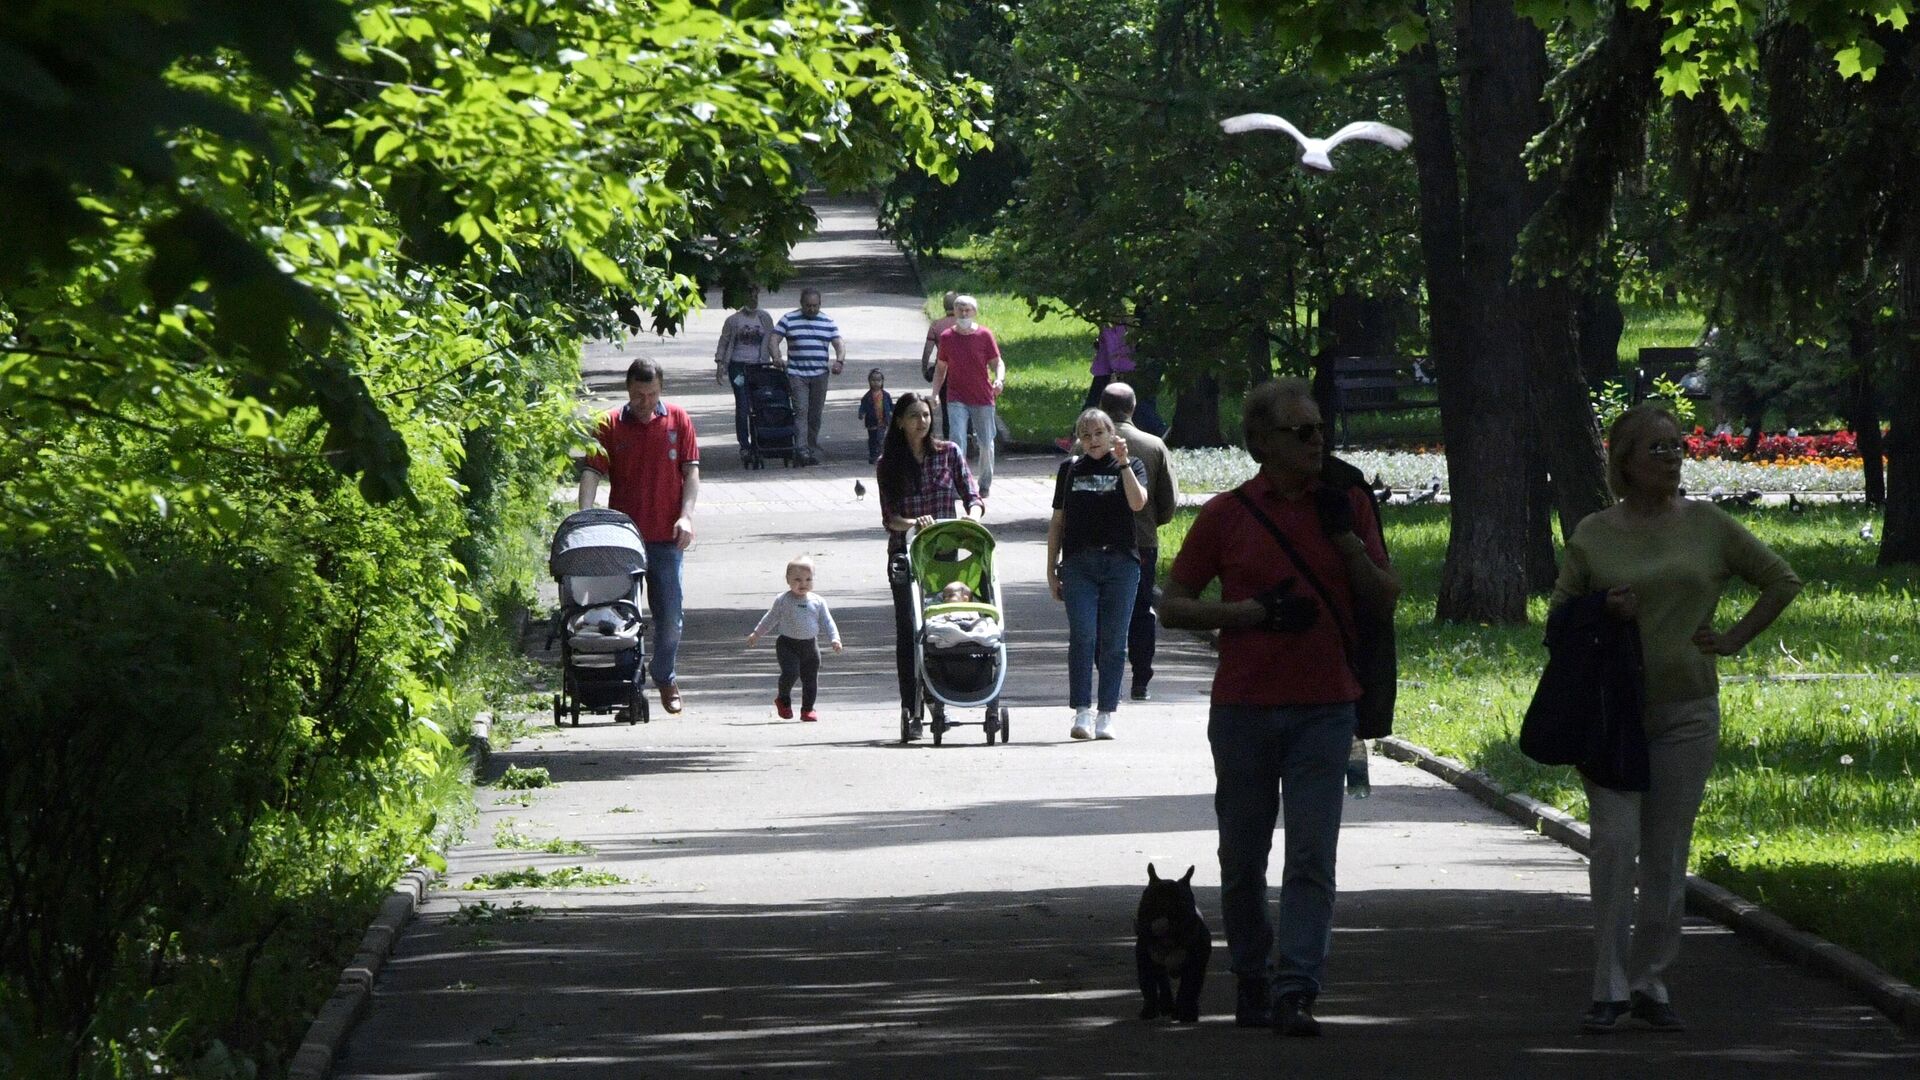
(1259,667)
(643,477)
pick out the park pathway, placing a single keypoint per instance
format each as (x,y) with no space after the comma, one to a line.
(818,901)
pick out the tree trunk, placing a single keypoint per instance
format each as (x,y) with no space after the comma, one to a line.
(1900,532)
(1600,323)
(1196,415)
(1569,432)
(1542,570)
(1863,416)
(1485,403)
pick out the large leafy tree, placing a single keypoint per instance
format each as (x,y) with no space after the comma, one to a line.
(289,329)
(1220,248)
(1797,148)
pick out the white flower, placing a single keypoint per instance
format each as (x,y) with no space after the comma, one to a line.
(1846,759)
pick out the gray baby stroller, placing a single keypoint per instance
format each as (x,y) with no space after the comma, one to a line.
(599,561)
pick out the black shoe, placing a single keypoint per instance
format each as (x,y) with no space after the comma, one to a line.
(1658,1015)
(1251,1009)
(1140,694)
(1603,1017)
(1293,1015)
(915,729)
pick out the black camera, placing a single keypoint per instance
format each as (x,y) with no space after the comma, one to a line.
(1287,612)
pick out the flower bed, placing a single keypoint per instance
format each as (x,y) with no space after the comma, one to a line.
(1791,447)
(1218,470)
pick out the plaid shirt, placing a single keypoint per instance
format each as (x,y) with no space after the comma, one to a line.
(942,479)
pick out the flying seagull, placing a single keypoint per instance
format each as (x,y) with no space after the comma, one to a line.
(1316,150)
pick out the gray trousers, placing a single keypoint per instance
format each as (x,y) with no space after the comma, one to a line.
(1642,837)
(809,404)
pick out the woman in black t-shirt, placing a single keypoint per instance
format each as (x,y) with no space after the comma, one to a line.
(1094,565)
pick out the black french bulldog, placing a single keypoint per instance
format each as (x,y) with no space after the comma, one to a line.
(1170,938)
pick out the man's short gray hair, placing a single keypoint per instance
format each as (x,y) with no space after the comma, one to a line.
(1261,408)
(963,298)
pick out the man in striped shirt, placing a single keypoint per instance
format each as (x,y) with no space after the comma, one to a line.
(808,335)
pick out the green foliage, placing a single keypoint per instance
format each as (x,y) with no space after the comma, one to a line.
(1614,397)
(566,877)
(519,779)
(288,342)
(486,911)
(508,837)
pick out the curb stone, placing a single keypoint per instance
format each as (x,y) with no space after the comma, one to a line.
(337,1017)
(1900,1001)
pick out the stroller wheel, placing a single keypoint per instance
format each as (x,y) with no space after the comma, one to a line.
(637,708)
(575,715)
(939,722)
(558,710)
(991,724)
(1004,727)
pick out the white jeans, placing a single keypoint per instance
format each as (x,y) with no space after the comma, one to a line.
(979,419)
(1635,944)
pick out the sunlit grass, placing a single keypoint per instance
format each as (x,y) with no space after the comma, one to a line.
(1813,808)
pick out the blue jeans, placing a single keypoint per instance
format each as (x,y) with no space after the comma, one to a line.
(663,603)
(979,420)
(1263,755)
(1098,586)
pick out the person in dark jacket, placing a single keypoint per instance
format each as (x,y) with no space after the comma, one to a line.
(1662,561)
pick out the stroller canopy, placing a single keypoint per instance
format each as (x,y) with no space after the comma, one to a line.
(957,550)
(596,543)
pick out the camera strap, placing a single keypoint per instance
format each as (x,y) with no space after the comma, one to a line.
(1293,555)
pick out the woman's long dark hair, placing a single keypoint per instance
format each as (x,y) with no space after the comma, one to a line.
(898,472)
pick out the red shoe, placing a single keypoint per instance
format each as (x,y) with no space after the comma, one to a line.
(809,715)
(783,707)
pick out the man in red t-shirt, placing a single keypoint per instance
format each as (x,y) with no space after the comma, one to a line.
(972,373)
(1282,716)
(651,460)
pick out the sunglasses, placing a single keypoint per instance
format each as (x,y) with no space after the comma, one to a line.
(1667,448)
(1305,432)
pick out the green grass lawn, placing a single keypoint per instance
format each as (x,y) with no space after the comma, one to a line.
(1813,809)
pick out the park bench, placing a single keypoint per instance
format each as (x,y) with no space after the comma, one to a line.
(1677,363)
(1375,384)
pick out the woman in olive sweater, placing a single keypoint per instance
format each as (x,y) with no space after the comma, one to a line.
(1662,561)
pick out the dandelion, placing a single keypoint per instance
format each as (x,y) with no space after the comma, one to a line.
(1845,709)
(1846,759)
(1753,741)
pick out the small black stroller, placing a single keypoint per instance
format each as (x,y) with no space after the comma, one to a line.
(600,563)
(770,426)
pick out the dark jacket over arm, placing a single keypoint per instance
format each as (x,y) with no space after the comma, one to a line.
(1588,709)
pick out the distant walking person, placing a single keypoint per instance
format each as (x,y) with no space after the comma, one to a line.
(1660,560)
(1163,497)
(928,351)
(800,620)
(972,374)
(651,461)
(746,341)
(876,413)
(1093,565)
(808,336)
(920,479)
(1297,561)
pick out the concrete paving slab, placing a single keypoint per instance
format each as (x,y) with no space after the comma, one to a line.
(817,900)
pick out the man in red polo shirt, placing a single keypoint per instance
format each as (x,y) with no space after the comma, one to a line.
(651,461)
(1282,717)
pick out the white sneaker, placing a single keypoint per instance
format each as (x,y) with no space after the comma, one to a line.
(1082,719)
(1103,726)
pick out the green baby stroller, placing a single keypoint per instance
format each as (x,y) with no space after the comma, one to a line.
(960,650)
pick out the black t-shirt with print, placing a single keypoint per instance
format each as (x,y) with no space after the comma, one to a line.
(1090,490)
